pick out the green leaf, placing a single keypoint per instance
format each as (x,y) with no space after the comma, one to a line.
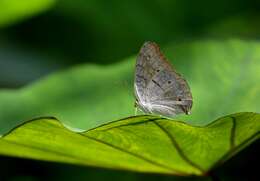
(141,143)
(12,11)
(223,76)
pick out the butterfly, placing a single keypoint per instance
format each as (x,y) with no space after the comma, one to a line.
(159,89)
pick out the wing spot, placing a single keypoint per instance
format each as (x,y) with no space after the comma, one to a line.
(157,70)
(169,82)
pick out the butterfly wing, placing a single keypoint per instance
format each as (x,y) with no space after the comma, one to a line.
(158,85)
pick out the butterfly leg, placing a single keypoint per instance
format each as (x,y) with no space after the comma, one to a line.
(136,109)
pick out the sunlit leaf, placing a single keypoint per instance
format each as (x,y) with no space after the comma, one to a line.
(142,143)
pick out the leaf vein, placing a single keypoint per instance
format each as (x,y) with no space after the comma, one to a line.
(134,154)
(232,133)
(178,148)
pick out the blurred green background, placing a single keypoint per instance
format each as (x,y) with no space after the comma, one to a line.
(38,37)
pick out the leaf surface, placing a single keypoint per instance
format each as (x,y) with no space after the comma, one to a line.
(141,143)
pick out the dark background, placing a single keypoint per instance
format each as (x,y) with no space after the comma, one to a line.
(103,32)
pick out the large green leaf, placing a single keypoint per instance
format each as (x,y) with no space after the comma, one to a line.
(223,76)
(142,143)
(12,11)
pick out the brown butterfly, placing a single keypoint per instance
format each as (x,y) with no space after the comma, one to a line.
(159,89)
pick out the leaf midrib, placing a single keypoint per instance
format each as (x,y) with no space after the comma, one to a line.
(178,148)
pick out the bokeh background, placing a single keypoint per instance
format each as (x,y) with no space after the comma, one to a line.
(38,37)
